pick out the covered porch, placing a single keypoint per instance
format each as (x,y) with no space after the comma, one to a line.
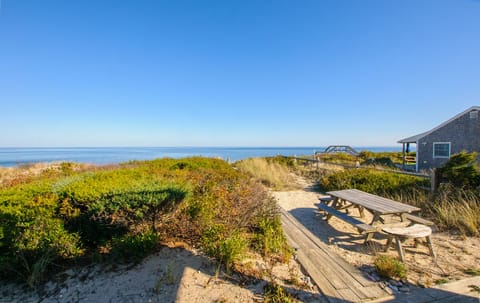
(410,152)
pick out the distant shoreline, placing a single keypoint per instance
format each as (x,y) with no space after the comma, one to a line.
(15,156)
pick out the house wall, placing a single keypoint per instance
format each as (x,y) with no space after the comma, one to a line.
(463,133)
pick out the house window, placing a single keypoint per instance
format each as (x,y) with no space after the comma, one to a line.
(441,150)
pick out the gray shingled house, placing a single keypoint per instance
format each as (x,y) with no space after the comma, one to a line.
(435,146)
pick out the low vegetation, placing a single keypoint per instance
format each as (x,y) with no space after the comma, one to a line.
(63,214)
(373,181)
(389,267)
(382,159)
(274,293)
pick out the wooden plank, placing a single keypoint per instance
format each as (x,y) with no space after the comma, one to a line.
(347,281)
(417,219)
(306,247)
(320,279)
(334,259)
(349,296)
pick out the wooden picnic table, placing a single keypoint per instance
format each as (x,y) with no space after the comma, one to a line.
(377,205)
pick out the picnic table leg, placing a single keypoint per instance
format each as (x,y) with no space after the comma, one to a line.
(376,217)
(335,203)
(389,243)
(430,247)
(360,210)
(346,206)
(400,248)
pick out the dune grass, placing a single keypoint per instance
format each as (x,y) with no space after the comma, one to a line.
(457,209)
(270,172)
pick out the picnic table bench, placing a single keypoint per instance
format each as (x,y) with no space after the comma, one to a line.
(362,227)
(416,219)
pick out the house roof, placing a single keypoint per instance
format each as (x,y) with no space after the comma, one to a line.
(414,139)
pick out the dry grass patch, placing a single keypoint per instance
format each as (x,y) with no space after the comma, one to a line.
(458,209)
(271,174)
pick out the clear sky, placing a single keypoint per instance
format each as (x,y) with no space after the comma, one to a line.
(234,72)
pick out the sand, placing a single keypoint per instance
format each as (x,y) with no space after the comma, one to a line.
(171,275)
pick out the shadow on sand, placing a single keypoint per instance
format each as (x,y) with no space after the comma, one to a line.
(170,275)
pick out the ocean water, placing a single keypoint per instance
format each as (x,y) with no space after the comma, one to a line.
(109,155)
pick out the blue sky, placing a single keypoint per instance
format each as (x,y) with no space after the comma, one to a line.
(234,73)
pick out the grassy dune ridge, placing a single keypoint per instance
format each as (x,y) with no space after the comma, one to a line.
(66,212)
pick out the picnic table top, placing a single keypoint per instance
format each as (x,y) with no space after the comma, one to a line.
(372,202)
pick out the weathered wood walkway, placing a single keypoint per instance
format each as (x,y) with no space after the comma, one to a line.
(336,279)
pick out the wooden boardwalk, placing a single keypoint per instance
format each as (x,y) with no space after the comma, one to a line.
(336,279)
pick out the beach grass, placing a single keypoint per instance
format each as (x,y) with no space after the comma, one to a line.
(270,172)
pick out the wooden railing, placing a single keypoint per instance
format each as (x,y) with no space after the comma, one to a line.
(410,160)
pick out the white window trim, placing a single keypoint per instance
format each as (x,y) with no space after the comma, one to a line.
(449,150)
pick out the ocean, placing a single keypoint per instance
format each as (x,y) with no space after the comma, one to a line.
(109,155)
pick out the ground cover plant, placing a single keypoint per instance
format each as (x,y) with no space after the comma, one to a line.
(389,267)
(63,215)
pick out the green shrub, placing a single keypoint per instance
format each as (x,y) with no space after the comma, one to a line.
(389,267)
(461,170)
(226,248)
(372,181)
(133,247)
(148,203)
(31,236)
(271,240)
